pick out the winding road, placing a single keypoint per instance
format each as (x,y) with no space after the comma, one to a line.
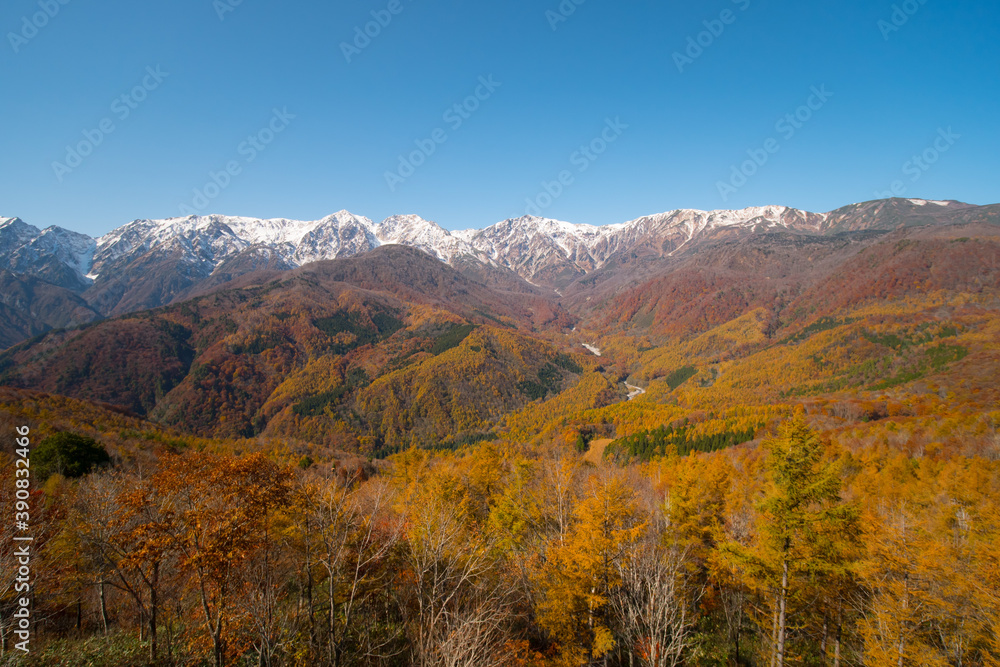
(633,391)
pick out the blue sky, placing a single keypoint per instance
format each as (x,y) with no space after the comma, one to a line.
(663,132)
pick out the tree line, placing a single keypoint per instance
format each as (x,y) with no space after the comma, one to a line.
(796,551)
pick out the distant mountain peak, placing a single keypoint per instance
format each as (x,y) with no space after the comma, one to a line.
(17,228)
(413,230)
(180,252)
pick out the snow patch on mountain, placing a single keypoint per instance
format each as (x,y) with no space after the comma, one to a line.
(540,250)
(214,238)
(26,249)
(71,248)
(536,248)
(14,233)
(414,231)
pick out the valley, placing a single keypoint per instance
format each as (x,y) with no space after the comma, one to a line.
(540,428)
(392,347)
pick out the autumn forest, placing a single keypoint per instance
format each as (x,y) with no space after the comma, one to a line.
(778,449)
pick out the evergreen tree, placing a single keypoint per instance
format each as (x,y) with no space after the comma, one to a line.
(800,515)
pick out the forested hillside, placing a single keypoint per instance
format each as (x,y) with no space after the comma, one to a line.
(781,449)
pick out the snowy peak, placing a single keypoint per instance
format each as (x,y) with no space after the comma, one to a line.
(214,238)
(202,239)
(414,231)
(339,235)
(565,237)
(399,228)
(534,247)
(57,254)
(71,248)
(530,227)
(541,250)
(14,233)
(696,221)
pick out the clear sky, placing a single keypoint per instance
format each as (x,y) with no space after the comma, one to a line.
(895,80)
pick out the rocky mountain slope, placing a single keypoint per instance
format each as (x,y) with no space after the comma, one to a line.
(150,263)
(378,350)
(336,339)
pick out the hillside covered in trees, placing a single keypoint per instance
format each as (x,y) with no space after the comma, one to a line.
(386,461)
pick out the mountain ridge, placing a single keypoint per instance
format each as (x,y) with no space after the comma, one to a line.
(343,233)
(150,263)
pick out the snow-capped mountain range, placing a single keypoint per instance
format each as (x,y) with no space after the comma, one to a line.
(526,245)
(148,263)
